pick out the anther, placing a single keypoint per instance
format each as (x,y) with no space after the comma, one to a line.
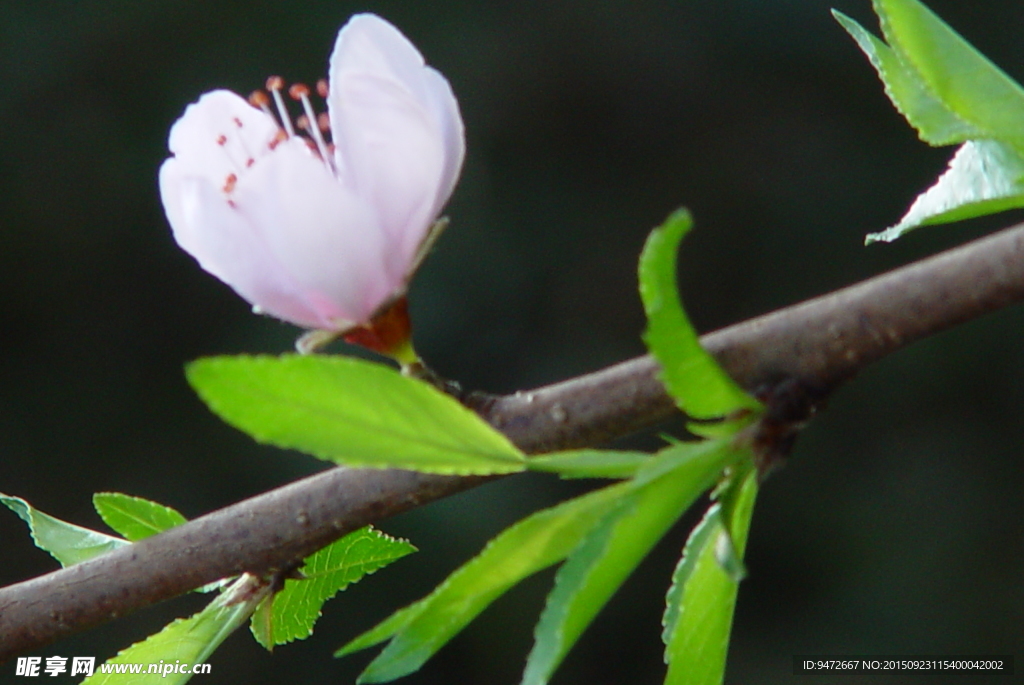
(274,85)
(321,88)
(259,99)
(323,121)
(229,183)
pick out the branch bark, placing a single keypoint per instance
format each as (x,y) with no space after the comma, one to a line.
(819,343)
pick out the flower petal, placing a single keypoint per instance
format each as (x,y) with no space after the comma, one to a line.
(292,241)
(219,134)
(226,245)
(446,112)
(396,129)
(324,235)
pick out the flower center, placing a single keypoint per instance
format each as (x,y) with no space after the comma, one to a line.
(314,125)
(311,127)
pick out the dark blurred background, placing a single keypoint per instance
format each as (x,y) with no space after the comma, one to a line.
(897,526)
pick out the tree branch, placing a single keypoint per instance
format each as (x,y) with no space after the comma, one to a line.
(817,344)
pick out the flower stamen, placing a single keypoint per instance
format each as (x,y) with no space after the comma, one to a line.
(274,85)
(300,92)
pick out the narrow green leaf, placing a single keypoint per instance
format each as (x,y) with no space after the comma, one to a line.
(607,556)
(699,385)
(587,463)
(134,517)
(66,542)
(936,123)
(703,456)
(352,412)
(967,82)
(296,607)
(186,641)
(695,544)
(533,544)
(700,603)
(984,177)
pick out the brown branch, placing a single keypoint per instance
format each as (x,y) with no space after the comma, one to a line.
(818,344)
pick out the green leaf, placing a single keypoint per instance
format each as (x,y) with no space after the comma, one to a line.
(699,385)
(588,463)
(351,412)
(946,89)
(187,640)
(700,603)
(294,610)
(134,517)
(964,80)
(984,177)
(607,556)
(540,540)
(533,544)
(66,542)
(934,121)
(950,93)
(698,541)
(711,455)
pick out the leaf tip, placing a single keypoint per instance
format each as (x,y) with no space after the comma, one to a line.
(886,236)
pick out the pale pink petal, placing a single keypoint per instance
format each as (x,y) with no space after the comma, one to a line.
(324,235)
(392,156)
(369,44)
(446,112)
(390,136)
(219,134)
(228,246)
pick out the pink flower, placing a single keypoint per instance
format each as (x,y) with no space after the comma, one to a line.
(323,235)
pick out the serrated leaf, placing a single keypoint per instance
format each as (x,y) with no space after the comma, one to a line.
(351,412)
(697,541)
(701,600)
(935,123)
(692,376)
(587,463)
(134,517)
(984,177)
(529,546)
(964,80)
(607,556)
(950,93)
(187,640)
(292,612)
(67,543)
(713,455)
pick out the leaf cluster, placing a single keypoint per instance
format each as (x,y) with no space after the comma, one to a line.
(952,95)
